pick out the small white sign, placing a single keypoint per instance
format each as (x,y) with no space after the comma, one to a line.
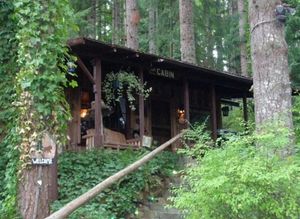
(42,161)
(147,141)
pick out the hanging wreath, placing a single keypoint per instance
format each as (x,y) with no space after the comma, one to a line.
(123,84)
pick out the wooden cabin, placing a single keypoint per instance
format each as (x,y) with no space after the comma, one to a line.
(180,92)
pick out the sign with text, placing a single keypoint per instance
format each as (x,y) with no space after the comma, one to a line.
(162,73)
(44,152)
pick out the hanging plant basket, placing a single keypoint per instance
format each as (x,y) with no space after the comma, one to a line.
(123,84)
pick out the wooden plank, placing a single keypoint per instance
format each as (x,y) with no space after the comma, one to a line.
(98,109)
(186,99)
(141,106)
(213,111)
(84,198)
(85,70)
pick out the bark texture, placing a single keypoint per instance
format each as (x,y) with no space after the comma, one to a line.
(37,189)
(272,87)
(187,36)
(132,21)
(243,47)
(117,22)
(152,28)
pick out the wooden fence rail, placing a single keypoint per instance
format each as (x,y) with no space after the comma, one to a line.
(84,198)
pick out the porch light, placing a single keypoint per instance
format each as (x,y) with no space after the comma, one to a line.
(83,113)
(181,116)
(225,110)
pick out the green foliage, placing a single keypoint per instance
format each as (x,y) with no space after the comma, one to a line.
(246,178)
(196,141)
(118,85)
(293,40)
(79,172)
(8,136)
(235,120)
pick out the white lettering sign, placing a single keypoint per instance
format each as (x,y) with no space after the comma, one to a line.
(42,161)
(162,73)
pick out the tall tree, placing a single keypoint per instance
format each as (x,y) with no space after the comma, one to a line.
(42,107)
(243,46)
(132,21)
(272,89)
(187,38)
(117,22)
(152,26)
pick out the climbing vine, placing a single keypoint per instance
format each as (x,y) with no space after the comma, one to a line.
(33,50)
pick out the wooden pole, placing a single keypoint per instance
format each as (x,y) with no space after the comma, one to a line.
(98,110)
(186,99)
(219,113)
(245,110)
(84,198)
(213,112)
(141,107)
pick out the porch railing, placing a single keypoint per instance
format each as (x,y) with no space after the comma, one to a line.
(84,198)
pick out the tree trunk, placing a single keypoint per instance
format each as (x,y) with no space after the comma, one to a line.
(132,21)
(187,37)
(95,18)
(233,66)
(152,27)
(117,22)
(243,47)
(272,87)
(37,189)
(219,35)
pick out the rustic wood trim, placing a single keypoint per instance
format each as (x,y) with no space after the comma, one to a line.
(141,106)
(186,99)
(213,111)
(98,109)
(85,70)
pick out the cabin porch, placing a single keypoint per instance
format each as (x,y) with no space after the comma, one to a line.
(181,94)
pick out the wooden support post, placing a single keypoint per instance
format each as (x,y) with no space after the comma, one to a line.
(219,113)
(213,112)
(186,100)
(245,110)
(98,109)
(141,106)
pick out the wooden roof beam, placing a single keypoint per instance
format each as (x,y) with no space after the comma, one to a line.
(85,70)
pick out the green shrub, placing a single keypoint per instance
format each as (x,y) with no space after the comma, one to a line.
(79,172)
(246,178)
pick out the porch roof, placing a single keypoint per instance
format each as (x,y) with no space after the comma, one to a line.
(87,48)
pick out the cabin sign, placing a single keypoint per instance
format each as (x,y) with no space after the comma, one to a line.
(162,73)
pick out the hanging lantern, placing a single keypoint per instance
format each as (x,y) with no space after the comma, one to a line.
(225,110)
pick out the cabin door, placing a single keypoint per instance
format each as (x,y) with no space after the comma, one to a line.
(161,121)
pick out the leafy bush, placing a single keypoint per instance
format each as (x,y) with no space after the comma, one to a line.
(196,141)
(79,172)
(247,178)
